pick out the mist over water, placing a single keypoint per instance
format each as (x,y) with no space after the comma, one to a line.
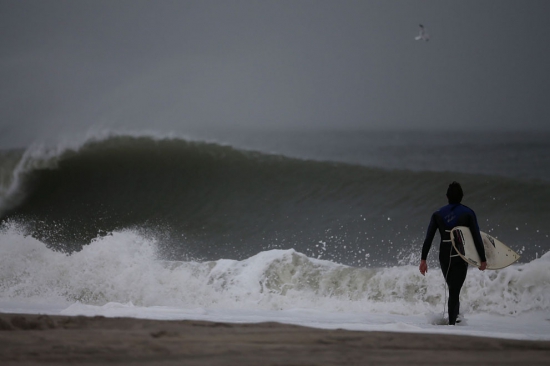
(520,155)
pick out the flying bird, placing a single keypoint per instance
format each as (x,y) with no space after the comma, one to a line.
(423,35)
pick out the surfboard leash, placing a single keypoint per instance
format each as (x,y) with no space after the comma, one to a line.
(446,284)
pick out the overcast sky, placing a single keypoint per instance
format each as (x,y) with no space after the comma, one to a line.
(68,66)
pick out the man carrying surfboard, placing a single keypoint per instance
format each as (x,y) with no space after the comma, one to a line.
(453,267)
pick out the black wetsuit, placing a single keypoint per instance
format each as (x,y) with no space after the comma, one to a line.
(454,268)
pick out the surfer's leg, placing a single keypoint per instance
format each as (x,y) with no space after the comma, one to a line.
(445,263)
(455,280)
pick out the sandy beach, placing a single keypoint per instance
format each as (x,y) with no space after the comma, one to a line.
(57,340)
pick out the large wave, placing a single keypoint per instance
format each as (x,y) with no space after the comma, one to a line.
(207,201)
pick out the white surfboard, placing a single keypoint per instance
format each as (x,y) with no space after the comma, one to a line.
(497,253)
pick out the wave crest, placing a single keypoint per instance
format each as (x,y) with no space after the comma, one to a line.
(211,201)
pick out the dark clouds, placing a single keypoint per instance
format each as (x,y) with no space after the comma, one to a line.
(67,66)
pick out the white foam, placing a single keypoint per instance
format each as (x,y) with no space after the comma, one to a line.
(120,275)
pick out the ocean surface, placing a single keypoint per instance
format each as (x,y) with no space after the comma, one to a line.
(314,228)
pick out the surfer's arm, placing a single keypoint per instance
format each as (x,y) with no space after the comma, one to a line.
(430,234)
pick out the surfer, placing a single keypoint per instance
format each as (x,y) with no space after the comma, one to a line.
(453,267)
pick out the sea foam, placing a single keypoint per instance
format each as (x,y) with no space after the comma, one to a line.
(124,267)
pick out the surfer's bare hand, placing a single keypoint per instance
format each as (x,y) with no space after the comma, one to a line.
(483,266)
(423,267)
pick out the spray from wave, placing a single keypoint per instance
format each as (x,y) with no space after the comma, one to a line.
(124,267)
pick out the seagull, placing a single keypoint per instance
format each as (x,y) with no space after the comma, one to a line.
(423,35)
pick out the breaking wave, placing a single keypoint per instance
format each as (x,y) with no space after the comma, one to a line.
(206,201)
(124,267)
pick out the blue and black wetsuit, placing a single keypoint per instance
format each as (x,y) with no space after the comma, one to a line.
(453,267)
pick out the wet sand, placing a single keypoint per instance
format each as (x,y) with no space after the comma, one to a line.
(57,340)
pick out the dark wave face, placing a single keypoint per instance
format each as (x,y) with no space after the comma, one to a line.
(207,201)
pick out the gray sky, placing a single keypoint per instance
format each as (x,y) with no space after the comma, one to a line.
(68,66)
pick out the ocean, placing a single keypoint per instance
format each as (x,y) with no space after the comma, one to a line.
(316,228)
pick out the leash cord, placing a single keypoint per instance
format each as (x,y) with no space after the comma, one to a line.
(446,284)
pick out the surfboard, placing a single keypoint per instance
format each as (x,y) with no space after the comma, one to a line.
(497,253)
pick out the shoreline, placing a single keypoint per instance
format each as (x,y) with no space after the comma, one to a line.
(30,339)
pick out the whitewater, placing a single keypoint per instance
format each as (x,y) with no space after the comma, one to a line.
(121,275)
(318,246)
